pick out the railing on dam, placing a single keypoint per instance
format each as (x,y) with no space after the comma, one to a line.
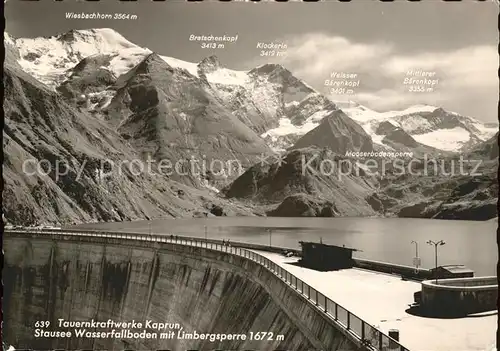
(371,337)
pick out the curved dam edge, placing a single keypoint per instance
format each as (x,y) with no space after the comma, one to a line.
(459,296)
(203,290)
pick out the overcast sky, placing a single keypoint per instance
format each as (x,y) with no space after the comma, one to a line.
(378,41)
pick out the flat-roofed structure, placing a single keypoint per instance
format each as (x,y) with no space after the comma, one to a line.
(324,257)
(452,271)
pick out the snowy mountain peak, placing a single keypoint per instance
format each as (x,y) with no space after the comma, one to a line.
(49,58)
(353,106)
(420,109)
(73,35)
(270,69)
(441,111)
(271,91)
(428,125)
(350,103)
(152,60)
(104,36)
(363,114)
(52,59)
(210,64)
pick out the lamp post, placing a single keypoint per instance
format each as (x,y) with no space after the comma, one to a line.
(206,236)
(416,247)
(436,244)
(416,259)
(270,233)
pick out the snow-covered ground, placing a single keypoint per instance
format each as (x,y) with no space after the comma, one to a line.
(228,77)
(382,300)
(445,139)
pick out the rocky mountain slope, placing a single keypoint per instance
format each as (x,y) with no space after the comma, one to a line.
(307,182)
(487,150)
(167,109)
(173,115)
(318,183)
(43,128)
(338,133)
(446,188)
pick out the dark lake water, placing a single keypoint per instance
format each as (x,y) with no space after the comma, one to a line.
(389,239)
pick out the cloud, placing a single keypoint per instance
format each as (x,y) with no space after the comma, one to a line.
(315,54)
(467,77)
(468,67)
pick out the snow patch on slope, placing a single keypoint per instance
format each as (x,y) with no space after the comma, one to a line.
(9,40)
(445,139)
(98,101)
(192,68)
(292,104)
(414,123)
(361,113)
(227,76)
(376,138)
(210,187)
(286,128)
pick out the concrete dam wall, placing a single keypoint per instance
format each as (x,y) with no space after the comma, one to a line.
(189,289)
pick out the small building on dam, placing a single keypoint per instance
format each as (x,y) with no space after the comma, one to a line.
(325,257)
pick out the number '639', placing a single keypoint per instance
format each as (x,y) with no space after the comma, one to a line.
(42,324)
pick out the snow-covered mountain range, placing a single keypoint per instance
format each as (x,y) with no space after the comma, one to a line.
(428,125)
(91,95)
(269,99)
